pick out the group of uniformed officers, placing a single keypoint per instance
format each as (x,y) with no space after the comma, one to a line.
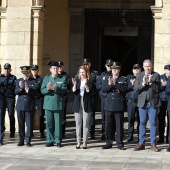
(142,94)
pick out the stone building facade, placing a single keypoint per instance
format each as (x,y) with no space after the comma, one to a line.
(37,31)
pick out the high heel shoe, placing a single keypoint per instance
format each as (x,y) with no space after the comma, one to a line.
(77,147)
(84,147)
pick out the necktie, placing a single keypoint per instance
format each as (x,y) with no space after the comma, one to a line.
(147,83)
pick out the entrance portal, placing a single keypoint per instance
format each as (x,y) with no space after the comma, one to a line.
(122,35)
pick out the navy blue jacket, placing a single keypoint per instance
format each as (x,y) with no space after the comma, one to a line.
(163,96)
(3,82)
(26,101)
(115,100)
(167,90)
(131,94)
(100,80)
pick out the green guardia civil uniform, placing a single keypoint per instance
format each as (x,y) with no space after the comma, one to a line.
(53,106)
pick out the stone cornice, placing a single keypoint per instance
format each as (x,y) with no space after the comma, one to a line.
(157,11)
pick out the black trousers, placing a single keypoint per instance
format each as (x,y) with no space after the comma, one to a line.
(40,110)
(64,115)
(112,118)
(92,118)
(10,105)
(132,110)
(103,117)
(25,116)
(2,121)
(161,120)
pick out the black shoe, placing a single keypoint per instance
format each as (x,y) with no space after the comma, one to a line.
(107,146)
(42,135)
(84,147)
(121,148)
(103,137)
(59,145)
(1,142)
(49,144)
(129,139)
(20,144)
(77,147)
(29,144)
(160,141)
(92,136)
(12,135)
(168,149)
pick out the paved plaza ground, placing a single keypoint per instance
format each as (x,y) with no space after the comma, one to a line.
(39,157)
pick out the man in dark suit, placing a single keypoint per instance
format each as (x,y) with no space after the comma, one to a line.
(26,90)
(148,86)
(115,86)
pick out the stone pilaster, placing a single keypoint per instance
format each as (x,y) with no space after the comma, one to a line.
(161,34)
(37,34)
(3,33)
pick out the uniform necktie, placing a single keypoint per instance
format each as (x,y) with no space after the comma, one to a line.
(147,83)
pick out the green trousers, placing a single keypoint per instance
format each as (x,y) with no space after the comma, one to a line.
(53,126)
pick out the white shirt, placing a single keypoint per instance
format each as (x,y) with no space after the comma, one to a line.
(82,87)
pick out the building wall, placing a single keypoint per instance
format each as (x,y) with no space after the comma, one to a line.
(56,33)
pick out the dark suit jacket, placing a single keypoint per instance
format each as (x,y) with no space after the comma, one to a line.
(87,99)
(26,101)
(153,90)
(167,90)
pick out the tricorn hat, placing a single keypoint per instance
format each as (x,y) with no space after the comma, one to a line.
(53,63)
(116,65)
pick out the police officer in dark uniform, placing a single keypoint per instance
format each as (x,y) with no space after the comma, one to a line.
(163,108)
(10,97)
(132,97)
(38,98)
(104,75)
(61,72)
(93,79)
(26,91)
(115,87)
(2,106)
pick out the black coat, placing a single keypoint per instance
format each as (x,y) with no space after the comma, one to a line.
(26,101)
(3,82)
(115,99)
(87,99)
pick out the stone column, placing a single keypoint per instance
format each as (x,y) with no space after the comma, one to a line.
(76,39)
(3,32)
(37,35)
